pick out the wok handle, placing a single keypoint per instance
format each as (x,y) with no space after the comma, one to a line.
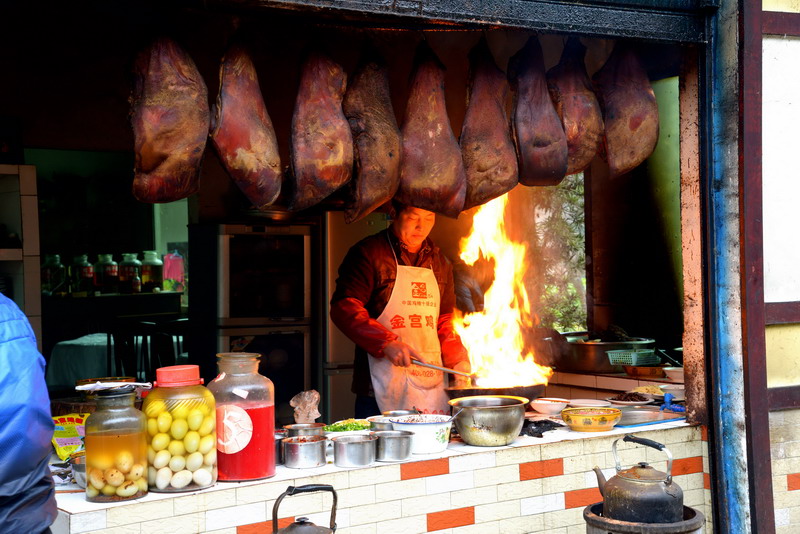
(443,369)
(308,488)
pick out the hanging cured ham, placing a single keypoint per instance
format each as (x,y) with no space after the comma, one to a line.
(576,105)
(432,175)
(322,146)
(242,131)
(169,116)
(490,160)
(629,109)
(540,138)
(376,140)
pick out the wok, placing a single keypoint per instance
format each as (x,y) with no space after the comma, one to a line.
(529,392)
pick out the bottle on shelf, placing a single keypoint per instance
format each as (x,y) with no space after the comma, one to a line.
(81,276)
(152,272)
(130,268)
(54,275)
(106,274)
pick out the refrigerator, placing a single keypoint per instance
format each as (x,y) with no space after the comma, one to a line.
(339,351)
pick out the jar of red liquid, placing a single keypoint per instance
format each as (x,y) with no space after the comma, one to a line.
(245,403)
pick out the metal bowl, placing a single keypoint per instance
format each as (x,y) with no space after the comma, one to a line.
(379,422)
(302,452)
(395,413)
(489,421)
(393,445)
(354,451)
(304,429)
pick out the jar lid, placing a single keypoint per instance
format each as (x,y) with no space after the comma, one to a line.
(238,355)
(115,392)
(178,375)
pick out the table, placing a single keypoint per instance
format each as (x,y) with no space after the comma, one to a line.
(86,357)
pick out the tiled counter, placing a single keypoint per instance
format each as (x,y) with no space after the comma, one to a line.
(533,485)
(596,386)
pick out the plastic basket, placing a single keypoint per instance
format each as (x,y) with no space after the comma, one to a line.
(633,357)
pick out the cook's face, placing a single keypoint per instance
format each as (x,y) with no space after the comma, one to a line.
(413,225)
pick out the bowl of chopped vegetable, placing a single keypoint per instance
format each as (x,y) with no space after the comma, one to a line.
(347,427)
(431,431)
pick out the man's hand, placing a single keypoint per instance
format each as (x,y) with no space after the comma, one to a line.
(462,381)
(400,353)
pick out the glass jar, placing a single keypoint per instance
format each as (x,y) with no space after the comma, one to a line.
(152,272)
(81,276)
(116,448)
(106,274)
(245,418)
(181,436)
(54,275)
(130,269)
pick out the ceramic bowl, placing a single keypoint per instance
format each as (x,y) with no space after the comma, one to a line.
(674,373)
(591,419)
(431,431)
(549,405)
(589,403)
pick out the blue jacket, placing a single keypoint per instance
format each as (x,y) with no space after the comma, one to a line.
(27,494)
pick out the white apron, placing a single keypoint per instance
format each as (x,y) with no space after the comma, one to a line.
(412,313)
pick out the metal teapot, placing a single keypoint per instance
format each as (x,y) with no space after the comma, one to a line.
(302,525)
(641,494)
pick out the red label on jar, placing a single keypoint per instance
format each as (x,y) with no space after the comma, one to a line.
(245,442)
(87,271)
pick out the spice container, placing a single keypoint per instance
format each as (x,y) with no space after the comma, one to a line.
(181,431)
(245,403)
(303,452)
(116,448)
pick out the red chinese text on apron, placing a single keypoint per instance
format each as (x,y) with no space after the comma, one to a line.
(412,313)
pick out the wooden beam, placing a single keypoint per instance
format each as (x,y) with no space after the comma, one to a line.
(784,398)
(752,271)
(777,23)
(782,312)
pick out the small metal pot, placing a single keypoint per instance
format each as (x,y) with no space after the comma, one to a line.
(279,435)
(304,429)
(303,452)
(393,445)
(354,451)
(395,413)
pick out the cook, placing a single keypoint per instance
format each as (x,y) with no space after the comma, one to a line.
(394,299)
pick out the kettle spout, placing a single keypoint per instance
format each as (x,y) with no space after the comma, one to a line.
(601,480)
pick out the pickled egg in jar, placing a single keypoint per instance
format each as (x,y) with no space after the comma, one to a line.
(181,431)
(116,448)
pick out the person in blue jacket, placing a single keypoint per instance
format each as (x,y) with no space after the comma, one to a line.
(27,492)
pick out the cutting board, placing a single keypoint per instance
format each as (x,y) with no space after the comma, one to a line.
(646,415)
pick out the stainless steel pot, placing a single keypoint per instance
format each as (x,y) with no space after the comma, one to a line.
(279,435)
(393,445)
(581,354)
(354,451)
(489,421)
(302,452)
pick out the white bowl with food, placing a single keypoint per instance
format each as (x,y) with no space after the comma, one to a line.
(674,373)
(549,405)
(431,431)
(589,403)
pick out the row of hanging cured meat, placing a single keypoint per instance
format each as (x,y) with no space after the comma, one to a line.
(346,134)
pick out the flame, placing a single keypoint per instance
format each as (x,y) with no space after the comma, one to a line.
(494,337)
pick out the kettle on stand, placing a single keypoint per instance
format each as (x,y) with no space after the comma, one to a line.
(641,494)
(302,525)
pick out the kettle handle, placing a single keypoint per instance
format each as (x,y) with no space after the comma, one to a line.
(630,438)
(308,488)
